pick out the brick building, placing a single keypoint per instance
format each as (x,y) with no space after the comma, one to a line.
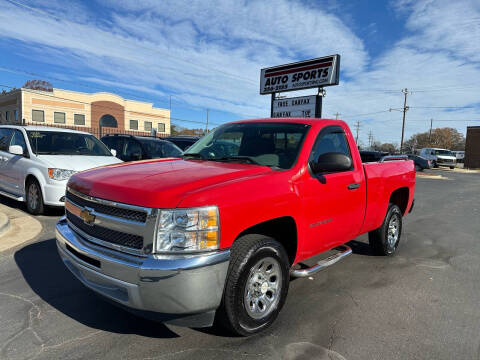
(82,111)
(472,147)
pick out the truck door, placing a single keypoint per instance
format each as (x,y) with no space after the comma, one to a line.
(334,203)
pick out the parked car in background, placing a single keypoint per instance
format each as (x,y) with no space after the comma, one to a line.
(439,157)
(37,161)
(132,148)
(183,141)
(460,155)
(420,162)
(219,236)
(372,156)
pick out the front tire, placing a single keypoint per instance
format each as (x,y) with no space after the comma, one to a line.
(385,239)
(256,286)
(452,167)
(34,198)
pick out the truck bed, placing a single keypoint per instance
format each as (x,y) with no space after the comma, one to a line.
(384,178)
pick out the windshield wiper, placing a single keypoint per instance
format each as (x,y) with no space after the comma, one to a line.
(237,157)
(194,155)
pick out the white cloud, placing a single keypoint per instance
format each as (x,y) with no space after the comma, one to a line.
(209,54)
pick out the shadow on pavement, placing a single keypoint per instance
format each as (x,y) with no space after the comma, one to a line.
(20,205)
(48,277)
(361,248)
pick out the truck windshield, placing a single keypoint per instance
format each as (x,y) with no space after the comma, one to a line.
(270,144)
(66,143)
(444,152)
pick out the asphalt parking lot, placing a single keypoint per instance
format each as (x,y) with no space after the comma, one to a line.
(422,303)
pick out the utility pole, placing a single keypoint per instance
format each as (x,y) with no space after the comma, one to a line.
(405,108)
(430,135)
(336,115)
(357,128)
(370,138)
(206,128)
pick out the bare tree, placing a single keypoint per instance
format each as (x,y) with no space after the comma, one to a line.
(445,138)
(41,85)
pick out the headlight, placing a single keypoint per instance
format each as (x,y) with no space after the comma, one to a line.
(60,174)
(194,229)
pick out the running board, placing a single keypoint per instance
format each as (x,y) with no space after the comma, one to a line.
(343,250)
(11,196)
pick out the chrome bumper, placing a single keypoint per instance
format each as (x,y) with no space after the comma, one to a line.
(181,288)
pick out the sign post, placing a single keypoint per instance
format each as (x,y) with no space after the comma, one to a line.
(315,73)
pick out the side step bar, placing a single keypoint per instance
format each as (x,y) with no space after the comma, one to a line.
(343,250)
(11,196)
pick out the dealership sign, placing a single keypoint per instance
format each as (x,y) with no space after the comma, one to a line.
(307,74)
(303,106)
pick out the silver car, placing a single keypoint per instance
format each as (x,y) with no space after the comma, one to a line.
(439,157)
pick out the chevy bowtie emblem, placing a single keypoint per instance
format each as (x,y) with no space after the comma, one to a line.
(87,217)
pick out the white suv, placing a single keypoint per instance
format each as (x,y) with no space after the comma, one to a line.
(37,161)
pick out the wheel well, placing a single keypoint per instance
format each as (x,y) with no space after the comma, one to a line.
(400,198)
(29,178)
(283,229)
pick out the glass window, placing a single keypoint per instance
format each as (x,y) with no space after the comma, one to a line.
(15,115)
(133,151)
(133,124)
(269,144)
(7,115)
(147,125)
(108,120)
(171,150)
(18,139)
(59,117)
(5,135)
(66,143)
(79,119)
(161,127)
(330,140)
(38,116)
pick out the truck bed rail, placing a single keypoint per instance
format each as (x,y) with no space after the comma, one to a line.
(393,157)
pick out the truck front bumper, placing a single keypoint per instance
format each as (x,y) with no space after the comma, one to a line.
(183,290)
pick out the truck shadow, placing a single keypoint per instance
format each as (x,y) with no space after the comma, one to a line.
(361,248)
(48,277)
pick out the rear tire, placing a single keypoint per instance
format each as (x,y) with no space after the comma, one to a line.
(34,198)
(256,285)
(435,165)
(385,239)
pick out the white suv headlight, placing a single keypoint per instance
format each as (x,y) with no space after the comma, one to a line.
(60,174)
(188,230)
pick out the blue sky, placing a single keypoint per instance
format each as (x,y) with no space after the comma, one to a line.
(208,54)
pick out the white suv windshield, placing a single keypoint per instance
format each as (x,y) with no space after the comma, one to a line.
(444,152)
(65,143)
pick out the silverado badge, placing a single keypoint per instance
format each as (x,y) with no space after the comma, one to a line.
(87,217)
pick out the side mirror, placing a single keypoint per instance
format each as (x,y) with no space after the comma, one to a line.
(114,152)
(331,162)
(15,150)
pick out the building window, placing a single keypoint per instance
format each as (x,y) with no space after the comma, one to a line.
(133,124)
(15,115)
(161,127)
(108,120)
(79,119)
(7,115)
(147,125)
(38,116)
(59,117)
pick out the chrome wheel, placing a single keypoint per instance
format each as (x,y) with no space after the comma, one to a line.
(263,287)
(393,231)
(33,196)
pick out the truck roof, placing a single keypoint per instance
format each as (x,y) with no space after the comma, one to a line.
(309,121)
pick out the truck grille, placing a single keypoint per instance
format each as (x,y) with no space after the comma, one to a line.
(128,214)
(107,235)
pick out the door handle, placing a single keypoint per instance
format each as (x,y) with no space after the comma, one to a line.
(353,186)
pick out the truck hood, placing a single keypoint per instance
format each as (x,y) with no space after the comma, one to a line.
(77,162)
(160,183)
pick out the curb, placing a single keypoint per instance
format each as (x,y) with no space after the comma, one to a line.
(21,228)
(4,224)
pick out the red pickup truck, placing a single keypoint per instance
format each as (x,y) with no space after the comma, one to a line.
(216,235)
